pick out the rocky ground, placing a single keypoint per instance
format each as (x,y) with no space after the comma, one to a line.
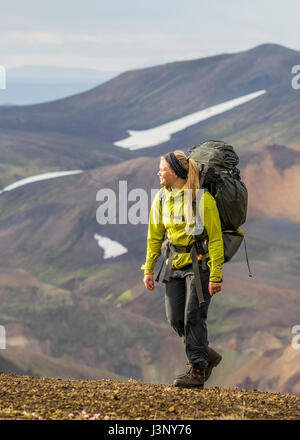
(24,397)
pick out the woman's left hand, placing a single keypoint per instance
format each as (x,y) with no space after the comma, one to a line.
(214,288)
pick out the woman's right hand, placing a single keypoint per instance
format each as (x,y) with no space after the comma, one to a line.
(149,282)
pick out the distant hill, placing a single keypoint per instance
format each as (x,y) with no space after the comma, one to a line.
(27,85)
(272,173)
(144,98)
(80,131)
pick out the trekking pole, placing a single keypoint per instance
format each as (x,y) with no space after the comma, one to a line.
(250,274)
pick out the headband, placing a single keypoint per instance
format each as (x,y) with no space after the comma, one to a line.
(176,165)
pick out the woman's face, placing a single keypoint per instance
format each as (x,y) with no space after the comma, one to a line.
(166,175)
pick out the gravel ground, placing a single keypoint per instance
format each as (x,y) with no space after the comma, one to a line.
(24,397)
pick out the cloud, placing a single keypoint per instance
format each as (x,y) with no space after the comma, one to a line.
(23,38)
(100,50)
(60,38)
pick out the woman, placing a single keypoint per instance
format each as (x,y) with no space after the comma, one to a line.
(185,312)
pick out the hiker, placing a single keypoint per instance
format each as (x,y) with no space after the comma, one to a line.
(191,278)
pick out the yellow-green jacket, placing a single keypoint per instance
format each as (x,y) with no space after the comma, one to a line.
(169,219)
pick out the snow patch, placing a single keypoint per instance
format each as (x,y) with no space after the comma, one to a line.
(157,135)
(39,177)
(112,249)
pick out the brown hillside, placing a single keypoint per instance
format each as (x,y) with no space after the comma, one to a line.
(273,180)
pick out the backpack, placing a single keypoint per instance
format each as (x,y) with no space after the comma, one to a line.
(218,173)
(217,163)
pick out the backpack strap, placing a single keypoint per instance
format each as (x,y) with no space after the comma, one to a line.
(194,250)
(250,274)
(172,251)
(160,269)
(202,175)
(196,271)
(200,239)
(162,196)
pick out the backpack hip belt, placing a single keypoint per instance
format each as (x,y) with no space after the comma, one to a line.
(169,250)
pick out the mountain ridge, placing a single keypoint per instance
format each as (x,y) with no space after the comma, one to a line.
(141,99)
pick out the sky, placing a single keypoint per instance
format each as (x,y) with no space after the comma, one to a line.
(120,35)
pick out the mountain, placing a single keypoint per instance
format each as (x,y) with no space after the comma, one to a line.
(145,98)
(81,131)
(72,304)
(275,194)
(68,308)
(25,154)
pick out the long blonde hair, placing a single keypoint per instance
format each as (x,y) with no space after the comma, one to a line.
(192,183)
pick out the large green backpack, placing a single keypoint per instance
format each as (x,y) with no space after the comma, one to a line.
(218,173)
(217,163)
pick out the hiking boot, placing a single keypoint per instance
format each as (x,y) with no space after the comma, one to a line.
(194,378)
(189,366)
(214,358)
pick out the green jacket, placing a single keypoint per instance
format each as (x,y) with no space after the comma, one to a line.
(169,220)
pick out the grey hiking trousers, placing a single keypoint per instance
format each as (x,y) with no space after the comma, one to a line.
(185,315)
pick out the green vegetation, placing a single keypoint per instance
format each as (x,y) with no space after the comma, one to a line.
(125,297)
(59,317)
(225,312)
